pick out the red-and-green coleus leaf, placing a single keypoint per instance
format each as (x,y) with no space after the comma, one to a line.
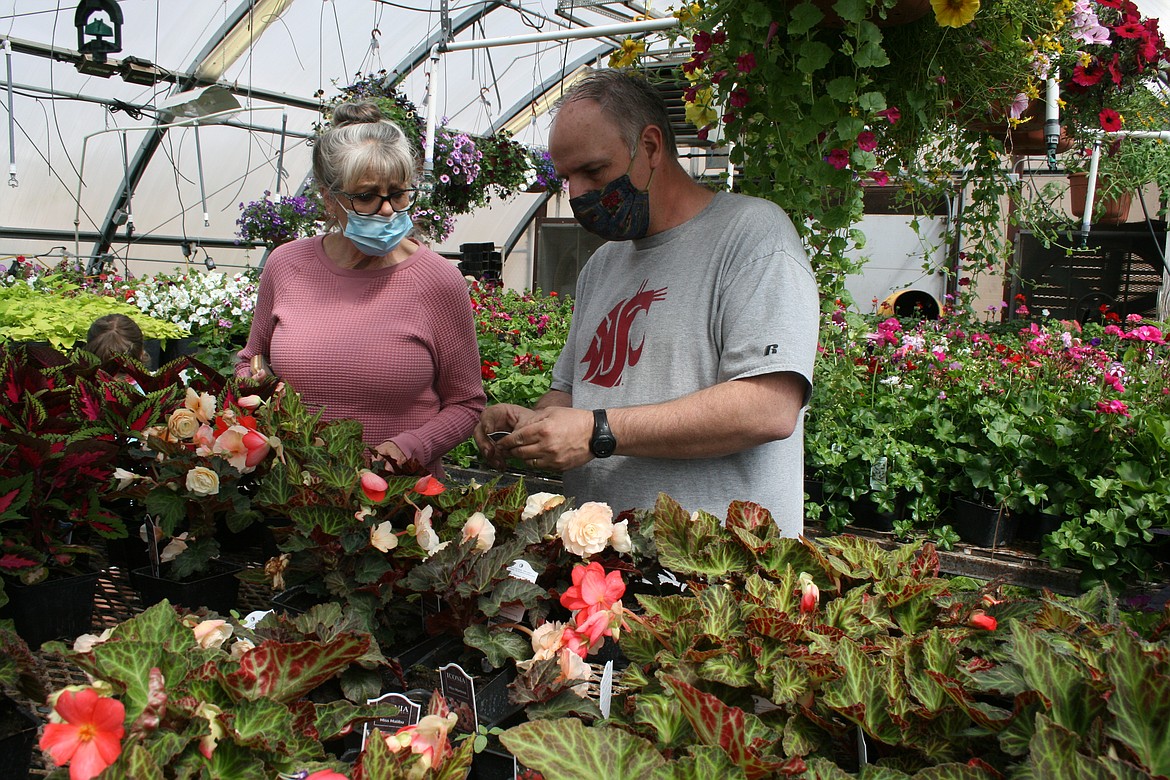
(737,733)
(287,671)
(568,749)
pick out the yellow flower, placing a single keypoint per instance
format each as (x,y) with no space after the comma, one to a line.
(954,13)
(628,55)
(688,12)
(700,113)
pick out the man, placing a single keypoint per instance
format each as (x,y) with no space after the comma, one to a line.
(689,359)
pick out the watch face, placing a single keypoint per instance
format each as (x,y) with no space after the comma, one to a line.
(603,446)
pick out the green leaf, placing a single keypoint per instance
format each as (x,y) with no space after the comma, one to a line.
(813,56)
(286,671)
(569,750)
(499,644)
(703,763)
(662,713)
(1140,701)
(511,591)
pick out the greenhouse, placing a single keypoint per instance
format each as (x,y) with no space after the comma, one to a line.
(575,388)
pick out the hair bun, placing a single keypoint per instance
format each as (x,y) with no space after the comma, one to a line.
(364,112)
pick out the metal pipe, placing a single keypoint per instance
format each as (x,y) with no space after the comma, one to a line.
(12,180)
(202,190)
(432,117)
(601,31)
(280,154)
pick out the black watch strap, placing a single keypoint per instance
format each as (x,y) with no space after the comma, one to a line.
(603,443)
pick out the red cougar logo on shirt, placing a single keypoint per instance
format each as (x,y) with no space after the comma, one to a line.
(610,351)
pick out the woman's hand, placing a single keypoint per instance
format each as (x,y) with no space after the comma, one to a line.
(391,452)
(260,368)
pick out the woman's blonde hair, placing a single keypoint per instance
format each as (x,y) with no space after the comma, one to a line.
(362,142)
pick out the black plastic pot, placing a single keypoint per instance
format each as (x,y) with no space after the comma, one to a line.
(217,588)
(982,525)
(18,735)
(1034,526)
(58,608)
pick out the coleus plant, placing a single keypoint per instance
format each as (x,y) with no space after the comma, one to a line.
(54,468)
(794,658)
(206,698)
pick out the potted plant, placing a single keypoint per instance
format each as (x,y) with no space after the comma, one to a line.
(189,460)
(54,471)
(179,695)
(276,222)
(836,657)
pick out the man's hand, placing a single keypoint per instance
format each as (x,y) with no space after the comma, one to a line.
(391,452)
(555,438)
(501,417)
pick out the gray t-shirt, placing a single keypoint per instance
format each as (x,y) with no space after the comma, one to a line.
(728,294)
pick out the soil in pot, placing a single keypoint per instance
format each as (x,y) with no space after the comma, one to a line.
(58,608)
(217,588)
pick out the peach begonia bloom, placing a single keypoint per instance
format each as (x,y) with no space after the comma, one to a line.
(573,667)
(202,404)
(540,502)
(592,590)
(242,447)
(587,529)
(373,486)
(383,538)
(173,549)
(202,481)
(208,742)
(424,534)
(240,647)
(275,568)
(87,642)
(89,736)
(204,440)
(125,477)
(212,633)
(620,540)
(479,528)
(182,424)
(546,640)
(249,402)
(428,738)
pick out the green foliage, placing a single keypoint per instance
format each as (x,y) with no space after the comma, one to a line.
(745,674)
(60,313)
(250,699)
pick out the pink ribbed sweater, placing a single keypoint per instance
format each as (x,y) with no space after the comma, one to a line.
(393,348)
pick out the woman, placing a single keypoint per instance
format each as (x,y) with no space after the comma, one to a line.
(363,321)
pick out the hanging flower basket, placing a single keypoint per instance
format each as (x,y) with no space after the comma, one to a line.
(1106,211)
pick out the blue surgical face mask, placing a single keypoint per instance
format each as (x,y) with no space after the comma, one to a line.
(376,235)
(619,211)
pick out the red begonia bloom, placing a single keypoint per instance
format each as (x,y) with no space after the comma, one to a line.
(428,486)
(810,597)
(592,590)
(982,620)
(373,486)
(90,738)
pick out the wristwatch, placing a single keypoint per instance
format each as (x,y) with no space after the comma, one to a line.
(603,442)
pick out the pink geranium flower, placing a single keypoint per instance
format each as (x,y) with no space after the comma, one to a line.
(838,158)
(90,738)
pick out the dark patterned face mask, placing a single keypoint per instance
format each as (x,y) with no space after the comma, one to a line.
(619,211)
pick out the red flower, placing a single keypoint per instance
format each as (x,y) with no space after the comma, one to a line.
(891,114)
(745,63)
(1088,76)
(880,178)
(592,590)
(838,158)
(326,774)
(486,369)
(428,486)
(373,486)
(866,141)
(702,41)
(810,596)
(738,98)
(1110,120)
(1130,29)
(980,619)
(90,738)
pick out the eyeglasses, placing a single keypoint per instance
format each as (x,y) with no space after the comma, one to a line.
(368,203)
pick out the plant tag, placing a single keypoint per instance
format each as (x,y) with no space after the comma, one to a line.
(762,705)
(862,752)
(667,577)
(252,619)
(152,545)
(459,691)
(509,613)
(430,605)
(522,570)
(409,713)
(877,473)
(605,689)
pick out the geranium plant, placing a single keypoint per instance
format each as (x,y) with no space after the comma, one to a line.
(178,695)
